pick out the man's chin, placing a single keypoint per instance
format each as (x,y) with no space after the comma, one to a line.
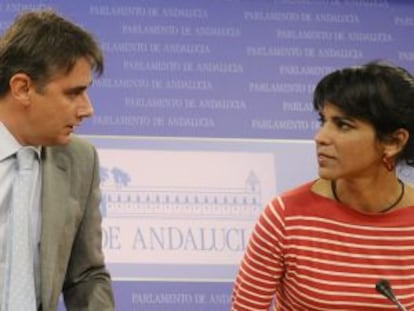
(66,139)
(61,140)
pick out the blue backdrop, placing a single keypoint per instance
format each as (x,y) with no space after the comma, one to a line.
(203,114)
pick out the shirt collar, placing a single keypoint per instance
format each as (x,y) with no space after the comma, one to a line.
(9,145)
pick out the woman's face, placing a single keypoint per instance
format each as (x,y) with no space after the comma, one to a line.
(346,147)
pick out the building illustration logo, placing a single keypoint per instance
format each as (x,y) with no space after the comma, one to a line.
(120,199)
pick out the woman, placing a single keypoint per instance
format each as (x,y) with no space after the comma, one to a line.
(325,244)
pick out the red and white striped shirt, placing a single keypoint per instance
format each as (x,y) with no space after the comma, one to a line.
(312,253)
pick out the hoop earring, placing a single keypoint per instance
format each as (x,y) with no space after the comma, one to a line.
(388,163)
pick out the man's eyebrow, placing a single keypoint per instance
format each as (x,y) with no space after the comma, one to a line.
(75,89)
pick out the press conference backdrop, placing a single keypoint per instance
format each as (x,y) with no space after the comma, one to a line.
(204,114)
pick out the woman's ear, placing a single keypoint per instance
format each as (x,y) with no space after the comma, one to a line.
(396,142)
(20,84)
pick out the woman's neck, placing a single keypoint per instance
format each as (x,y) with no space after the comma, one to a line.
(368,197)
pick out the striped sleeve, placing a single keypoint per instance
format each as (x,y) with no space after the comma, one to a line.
(261,268)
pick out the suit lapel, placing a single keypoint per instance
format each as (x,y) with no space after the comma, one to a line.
(55,198)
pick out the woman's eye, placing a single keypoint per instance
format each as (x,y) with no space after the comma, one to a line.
(343,125)
(321,120)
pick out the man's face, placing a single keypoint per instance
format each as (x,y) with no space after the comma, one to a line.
(60,106)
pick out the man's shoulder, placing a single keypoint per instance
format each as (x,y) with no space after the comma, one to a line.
(76,144)
(77,148)
(79,142)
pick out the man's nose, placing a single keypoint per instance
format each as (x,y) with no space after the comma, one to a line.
(85,109)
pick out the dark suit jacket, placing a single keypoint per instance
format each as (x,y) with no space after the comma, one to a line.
(71,258)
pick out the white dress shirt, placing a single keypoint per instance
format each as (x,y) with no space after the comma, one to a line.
(8,170)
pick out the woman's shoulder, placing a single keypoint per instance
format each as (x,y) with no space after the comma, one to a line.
(408,200)
(320,187)
(305,193)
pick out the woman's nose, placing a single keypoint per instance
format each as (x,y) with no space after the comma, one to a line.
(322,135)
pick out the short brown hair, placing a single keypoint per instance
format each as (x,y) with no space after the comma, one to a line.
(42,43)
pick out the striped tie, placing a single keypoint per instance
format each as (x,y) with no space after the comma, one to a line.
(19,292)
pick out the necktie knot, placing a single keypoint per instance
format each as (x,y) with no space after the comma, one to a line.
(25,158)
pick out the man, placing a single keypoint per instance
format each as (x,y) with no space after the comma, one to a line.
(46,67)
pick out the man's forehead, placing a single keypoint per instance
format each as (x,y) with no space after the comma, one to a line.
(80,74)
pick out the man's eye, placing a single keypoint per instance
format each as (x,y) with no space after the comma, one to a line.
(74,94)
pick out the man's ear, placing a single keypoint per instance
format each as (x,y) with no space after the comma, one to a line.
(20,84)
(396,142)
